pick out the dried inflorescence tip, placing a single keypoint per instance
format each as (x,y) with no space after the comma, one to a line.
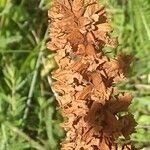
(79,29)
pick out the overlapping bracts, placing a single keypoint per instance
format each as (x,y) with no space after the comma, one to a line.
(79,29)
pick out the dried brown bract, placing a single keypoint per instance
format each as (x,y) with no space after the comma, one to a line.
(79,29)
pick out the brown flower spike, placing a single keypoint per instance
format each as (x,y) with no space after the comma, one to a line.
(79,29)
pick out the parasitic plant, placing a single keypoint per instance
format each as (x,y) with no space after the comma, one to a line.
(85,77)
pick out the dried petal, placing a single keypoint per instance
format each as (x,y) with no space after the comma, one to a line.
(79,29)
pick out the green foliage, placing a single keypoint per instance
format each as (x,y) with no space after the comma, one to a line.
(29,117)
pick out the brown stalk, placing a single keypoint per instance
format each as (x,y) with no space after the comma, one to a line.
(79,29)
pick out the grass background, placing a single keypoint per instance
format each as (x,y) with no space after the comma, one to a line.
(29,117)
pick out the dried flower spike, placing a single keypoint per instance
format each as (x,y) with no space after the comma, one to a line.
(79,29)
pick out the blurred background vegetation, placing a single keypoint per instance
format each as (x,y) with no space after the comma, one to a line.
(29,116)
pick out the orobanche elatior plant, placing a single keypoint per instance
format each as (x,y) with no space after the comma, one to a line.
(84,80)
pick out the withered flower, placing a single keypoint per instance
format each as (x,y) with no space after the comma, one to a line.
(79,29)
